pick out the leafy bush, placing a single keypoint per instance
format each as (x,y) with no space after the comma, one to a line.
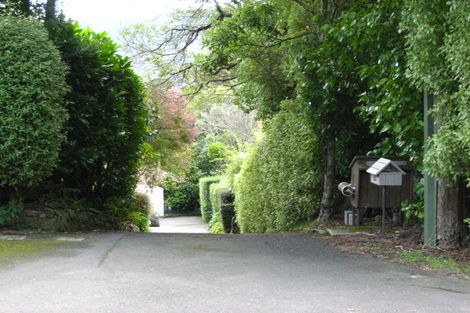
(215,224)
(279,185)
(204,196)
(9,213)
(106,127)
(140,220)
(32,80)
(223,207)
(182,194)
(125,213)
(414,212)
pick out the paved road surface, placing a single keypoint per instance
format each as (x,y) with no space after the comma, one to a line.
(184,224)
(126,273)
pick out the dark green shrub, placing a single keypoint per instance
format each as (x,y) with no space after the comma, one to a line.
(215,224)
(107,121)
(223,207)
(9,213)
(182,194)
(204,196)
(279,185)
(32,116)
(126,213)
(227,212)
(140,220)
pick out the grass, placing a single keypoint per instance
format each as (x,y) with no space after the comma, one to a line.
(435,263)
(26,248)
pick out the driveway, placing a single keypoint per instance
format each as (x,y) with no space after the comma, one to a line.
(131,272)
(181,225)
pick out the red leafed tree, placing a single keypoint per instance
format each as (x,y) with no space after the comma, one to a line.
(171,131)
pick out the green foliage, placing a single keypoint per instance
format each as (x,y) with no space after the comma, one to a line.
(217,152)
(141,220)
(210,155)
(22,8)
(182,193)
(223,207)
(9,213)
(204,196)
(171,132)
(437,51)
(32,80)
(278,186)
(437,263)
(392,107)
(106,127)
(215,224)
(126,213)
(415,211)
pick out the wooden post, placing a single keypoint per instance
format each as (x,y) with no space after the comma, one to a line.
(383,209)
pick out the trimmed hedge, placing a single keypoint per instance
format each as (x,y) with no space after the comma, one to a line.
(32,114)
(223,208)
(204,196)
(279,185)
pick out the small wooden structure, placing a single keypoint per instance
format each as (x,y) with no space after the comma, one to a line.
(368,195)
(385,172)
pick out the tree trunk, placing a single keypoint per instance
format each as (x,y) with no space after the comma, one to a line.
(448,214)
(50,12)
(327,202)
(26,7)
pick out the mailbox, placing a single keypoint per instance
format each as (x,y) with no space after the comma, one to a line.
(367,194)
(364,190)
(385,172)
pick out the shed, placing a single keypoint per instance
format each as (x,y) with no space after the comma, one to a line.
(368,194)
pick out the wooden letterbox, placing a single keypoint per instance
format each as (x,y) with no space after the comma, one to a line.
(368,194)
(385,172)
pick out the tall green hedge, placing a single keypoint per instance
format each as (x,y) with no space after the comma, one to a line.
(204,196)
(106,128)
(279,184)
(32,88)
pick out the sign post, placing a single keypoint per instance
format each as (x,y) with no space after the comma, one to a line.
(430,183)
(383,173)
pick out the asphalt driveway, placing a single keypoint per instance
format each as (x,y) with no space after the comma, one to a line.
(181,225)
(126,273)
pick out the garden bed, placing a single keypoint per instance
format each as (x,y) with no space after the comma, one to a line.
(405,246)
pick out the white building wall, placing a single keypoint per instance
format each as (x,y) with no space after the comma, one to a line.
(156,197)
